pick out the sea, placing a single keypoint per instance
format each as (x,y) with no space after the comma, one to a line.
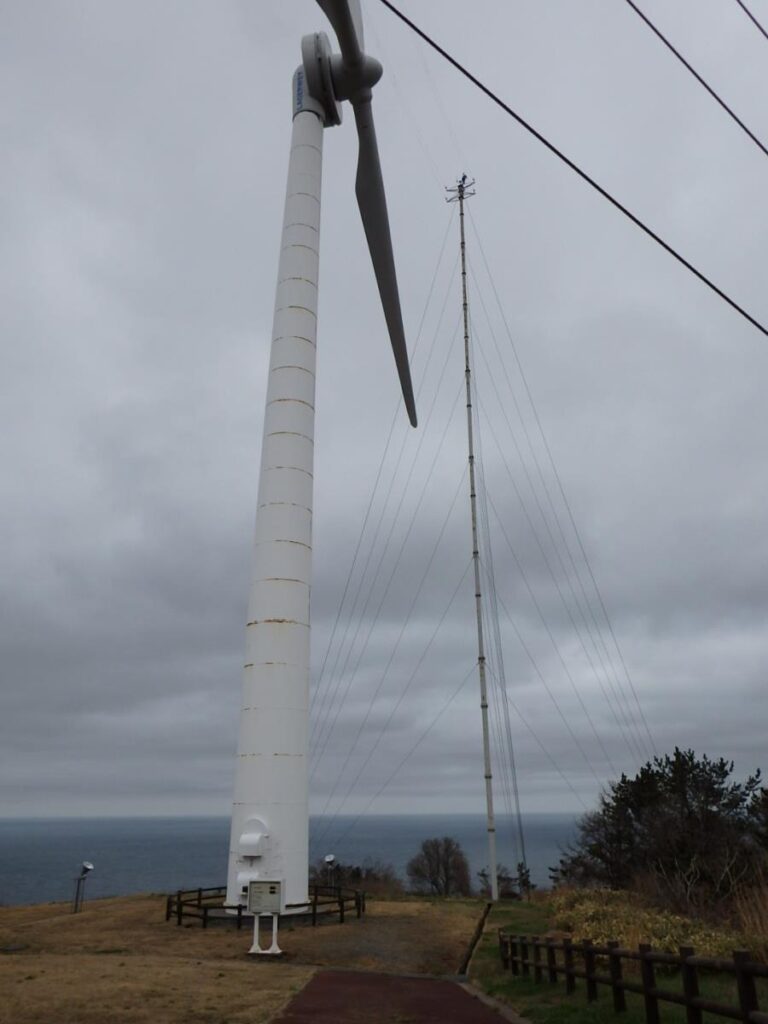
(40,857)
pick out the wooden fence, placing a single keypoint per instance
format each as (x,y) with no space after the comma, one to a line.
(206,904)
(530,956)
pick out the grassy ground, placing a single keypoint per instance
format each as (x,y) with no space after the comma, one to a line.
(120,961)
(544,1003)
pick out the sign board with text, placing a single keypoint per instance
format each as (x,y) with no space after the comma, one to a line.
(264,897)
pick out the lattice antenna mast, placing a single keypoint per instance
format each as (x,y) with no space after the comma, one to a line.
(463,190)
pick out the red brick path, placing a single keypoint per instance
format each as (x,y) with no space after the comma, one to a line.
(351,997)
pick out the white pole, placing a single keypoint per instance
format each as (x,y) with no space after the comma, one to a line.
(269,837)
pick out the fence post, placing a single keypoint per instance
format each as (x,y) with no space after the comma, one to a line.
(205,916)
(648,975)
(239,916)
(745,983)
(537,972)
(551,962)
(570,981)
(690,985)
(168,905)
(614,969)
(589,969)
(179,907)
(524,956)
(199,897)
(341,907)
(314,906)
(513,955)
(503,950)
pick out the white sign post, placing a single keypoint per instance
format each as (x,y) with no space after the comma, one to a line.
(265,900)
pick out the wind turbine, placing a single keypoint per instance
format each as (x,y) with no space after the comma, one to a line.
(269,836)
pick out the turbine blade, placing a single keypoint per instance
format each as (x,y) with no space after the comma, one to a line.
(369,188)
(347,20)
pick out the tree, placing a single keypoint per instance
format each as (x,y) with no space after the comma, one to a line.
(681,826)
(440,867)
(524,883)
(507,883)
(374,876)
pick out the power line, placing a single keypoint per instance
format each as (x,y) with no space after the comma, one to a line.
(696,75)
(752,18)
(577,170)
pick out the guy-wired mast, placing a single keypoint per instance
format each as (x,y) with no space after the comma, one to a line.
(460,193)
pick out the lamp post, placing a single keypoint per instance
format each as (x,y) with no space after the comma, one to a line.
(85,869)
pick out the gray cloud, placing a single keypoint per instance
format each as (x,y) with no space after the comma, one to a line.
(141,206)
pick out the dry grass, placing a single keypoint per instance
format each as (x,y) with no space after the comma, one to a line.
(752,914)
(52,988)
(120,961)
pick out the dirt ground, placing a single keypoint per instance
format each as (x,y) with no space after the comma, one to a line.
(119,960)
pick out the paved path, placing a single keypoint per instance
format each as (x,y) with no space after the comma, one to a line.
(355,997)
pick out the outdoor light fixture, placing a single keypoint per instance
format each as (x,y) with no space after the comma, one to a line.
(85,869)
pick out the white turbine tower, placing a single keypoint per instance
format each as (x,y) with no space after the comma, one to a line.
(269,837)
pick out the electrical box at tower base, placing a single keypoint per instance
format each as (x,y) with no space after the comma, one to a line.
(265,896)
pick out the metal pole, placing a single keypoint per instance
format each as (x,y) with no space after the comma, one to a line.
(461,192)
(76,899)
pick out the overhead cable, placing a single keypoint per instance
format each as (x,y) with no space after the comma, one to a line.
(322,717)
(338,840)
(696,75)
(396,646)
(404,491)
(316,689)
(556,474)
(752,18)
(553,542)
(396,706)
(614,684)
(578,170)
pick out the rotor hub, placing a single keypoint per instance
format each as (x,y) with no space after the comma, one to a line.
(331,79)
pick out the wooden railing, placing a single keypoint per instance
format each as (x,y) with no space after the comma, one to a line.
(205,904)
(530,956)
(344,900)
(198,903)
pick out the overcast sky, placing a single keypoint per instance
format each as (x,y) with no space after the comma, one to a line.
(145,148)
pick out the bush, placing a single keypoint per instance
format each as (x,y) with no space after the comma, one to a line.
(605,914)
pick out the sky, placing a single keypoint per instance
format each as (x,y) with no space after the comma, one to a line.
(145,148)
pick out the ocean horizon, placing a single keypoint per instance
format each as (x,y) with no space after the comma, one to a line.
(40,857)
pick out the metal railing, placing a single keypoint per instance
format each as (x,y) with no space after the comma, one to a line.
(531,956)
